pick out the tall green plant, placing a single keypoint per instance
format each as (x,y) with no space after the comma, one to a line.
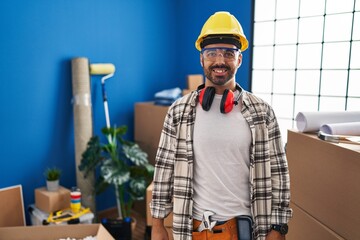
(122,165)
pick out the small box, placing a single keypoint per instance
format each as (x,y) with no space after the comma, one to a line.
(37,217)
(55,232)
(194,80)
(52,201)
(168,221)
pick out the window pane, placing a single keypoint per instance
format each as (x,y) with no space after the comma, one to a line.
(336,6)
(286,31)
(333,82)
(353,104)
(283,105)
(305,103)
(357,6)
(264,33)
(265,97)
(309,56)
(307,81)
(264,10)
(285,57)
(336,55)
(284,81)
(338,27)
(356,28)
(355,55)
(261,81)
(312,8)
(332,104)
(354,83)
(287,9)
(263,57)
(284,125)
(311,29)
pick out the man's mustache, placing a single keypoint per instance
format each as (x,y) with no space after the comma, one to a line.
(220,66)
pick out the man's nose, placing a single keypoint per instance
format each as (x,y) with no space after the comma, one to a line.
(220,57)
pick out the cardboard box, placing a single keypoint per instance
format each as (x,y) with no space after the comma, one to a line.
(194,80)
(325,181)
(54,232)
(303,226)
(149,121)
(12,207)
(167,221)
(52,201)
(186,91)
(151,150)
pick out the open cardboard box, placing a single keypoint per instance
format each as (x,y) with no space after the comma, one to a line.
(12,222)
(53,232)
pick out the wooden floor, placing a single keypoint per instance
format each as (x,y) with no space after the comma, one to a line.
(140,228)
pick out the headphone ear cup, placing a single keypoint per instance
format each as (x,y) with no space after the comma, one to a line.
(206,97)
(227,101)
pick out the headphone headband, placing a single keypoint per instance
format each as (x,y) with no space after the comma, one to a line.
(238,87)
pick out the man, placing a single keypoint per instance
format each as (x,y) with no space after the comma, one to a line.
(220,154)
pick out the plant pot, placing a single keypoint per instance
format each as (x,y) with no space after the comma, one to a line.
(52,186)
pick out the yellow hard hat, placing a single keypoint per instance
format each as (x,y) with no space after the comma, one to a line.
(222,23)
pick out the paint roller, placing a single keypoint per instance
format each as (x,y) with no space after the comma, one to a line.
(108,70)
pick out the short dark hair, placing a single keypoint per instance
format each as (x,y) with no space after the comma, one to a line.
(221,38)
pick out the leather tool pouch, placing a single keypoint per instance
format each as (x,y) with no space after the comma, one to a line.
(244,227)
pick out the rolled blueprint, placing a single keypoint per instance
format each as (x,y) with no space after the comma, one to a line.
(348,128)
(83,127)
(312,121)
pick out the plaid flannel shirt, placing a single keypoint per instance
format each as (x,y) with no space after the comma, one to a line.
(269,177)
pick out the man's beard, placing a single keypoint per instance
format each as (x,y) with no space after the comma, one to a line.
(219,80)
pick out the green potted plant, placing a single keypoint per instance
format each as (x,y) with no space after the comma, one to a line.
(122,164)
(52,176)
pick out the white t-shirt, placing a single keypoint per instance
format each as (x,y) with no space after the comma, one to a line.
(221,165)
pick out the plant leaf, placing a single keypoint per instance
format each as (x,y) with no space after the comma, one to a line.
(113,174)
(135,154)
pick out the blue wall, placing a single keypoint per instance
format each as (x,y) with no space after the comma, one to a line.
(151,44)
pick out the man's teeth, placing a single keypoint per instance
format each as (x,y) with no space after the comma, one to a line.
(219,70)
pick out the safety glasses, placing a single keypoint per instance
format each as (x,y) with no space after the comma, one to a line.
(229,54)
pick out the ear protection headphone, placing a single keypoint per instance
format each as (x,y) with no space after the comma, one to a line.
(206,97)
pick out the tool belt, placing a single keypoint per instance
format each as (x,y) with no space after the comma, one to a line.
(225,231)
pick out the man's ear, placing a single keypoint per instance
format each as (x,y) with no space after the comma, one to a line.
(239,60)
(201,60)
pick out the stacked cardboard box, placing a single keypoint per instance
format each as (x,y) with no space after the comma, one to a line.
(325,189)
(149,120)
(193,81)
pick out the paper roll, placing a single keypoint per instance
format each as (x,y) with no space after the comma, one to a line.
(312,121)
(349,128)
(83,127)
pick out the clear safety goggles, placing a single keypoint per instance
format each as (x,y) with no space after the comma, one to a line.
(229,54)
